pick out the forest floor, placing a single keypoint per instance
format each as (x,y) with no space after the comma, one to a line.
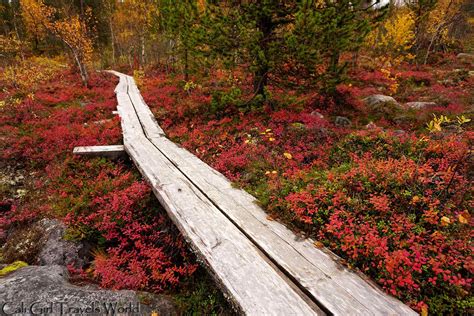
(382,182)
(105,204)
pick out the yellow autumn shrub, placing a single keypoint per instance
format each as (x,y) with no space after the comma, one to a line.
(391,42)
(441,19)
(27,74)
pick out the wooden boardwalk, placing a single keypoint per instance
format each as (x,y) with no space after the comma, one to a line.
(263,267)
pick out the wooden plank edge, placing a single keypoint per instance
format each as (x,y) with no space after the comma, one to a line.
(111,151)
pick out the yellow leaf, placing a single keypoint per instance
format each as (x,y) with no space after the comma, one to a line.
(274,172)
(267,172)
(247,141)
(271,139)
(424,310)
(288,155)
(462,219)
(445,221)
(268,130)
(154,313)
(319,244)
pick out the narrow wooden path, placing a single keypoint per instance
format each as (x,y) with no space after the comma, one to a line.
(263,267)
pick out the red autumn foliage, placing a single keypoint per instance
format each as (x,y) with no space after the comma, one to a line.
(395,205)
(100,201)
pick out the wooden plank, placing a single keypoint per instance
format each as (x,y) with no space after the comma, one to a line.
(147,119)
(314,270)
(112,151)
(247,277)
(122,85)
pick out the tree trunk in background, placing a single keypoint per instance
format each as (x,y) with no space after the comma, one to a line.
(265,26)
(82,68)
(142,44)
(186,65)
(112,38)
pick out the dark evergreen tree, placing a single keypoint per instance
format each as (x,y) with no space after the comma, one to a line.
(324,31)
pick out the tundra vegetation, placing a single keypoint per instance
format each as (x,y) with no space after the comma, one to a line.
(349,120)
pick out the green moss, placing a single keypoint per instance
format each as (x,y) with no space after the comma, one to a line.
(200,296)
(12,267)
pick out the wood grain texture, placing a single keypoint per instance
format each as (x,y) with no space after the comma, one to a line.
(252,283)
(315,271)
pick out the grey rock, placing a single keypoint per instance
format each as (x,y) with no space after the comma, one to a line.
(379,100)
(399,132)
(56,250)
(449,129)
(420,105)
(403,119)
(49,287)
(383,105)
(342,121)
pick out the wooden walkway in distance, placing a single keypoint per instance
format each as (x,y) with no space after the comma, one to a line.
(262,266)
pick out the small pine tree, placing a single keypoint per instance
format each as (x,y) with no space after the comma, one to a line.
(180,21)
(251,33)
(324,31)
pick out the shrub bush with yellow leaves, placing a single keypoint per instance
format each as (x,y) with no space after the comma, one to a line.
(440,22)
(393,39)
(28,74)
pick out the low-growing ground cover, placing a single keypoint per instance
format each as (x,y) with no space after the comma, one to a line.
(387,194)
(105,204)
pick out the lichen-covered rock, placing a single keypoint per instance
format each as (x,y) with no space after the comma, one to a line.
(56,250)
(420,105)
(7,269)
(46,290)
(22,244)
(43,244)
(378,100)
(399,132)
(403,120)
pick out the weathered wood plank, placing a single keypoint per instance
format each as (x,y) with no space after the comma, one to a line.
(314,270)
(251,281)
(111,151)
(147,119)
